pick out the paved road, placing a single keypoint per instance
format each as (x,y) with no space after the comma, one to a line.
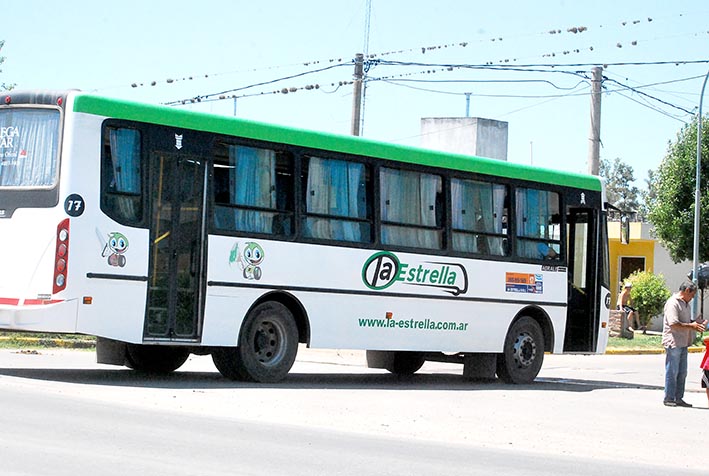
(584,415)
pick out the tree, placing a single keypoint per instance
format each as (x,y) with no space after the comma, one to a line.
(647,196)
(648,295)
(619,189)
(671,195)
(4,86)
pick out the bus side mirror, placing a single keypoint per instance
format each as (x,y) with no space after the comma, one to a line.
(624,229)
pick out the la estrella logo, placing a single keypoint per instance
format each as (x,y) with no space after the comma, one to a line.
(384,269)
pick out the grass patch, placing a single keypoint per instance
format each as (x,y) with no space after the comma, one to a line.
(31,340)
(644,342)
(639,341)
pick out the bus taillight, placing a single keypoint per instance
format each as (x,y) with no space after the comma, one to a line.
(61,256)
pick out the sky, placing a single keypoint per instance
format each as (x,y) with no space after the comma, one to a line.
(527,63)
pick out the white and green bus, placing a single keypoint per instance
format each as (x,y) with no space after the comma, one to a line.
(166,232)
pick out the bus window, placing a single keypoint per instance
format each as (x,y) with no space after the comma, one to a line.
(253,190)
(411,208)
(538,224)
(478,213)
(336,200)
(121,196)
(29,140)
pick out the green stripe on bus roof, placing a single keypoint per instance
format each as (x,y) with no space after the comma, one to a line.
(168,116)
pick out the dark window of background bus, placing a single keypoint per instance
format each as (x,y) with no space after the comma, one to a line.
(538,224)
(253,190)
(411,206)
(337,200)
(479,217)
(121,189)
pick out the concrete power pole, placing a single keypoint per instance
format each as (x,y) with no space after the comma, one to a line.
(357,94)
(595,137)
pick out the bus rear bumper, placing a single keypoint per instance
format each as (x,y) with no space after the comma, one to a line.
(40,316)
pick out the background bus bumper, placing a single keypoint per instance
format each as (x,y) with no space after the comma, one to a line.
(50,317)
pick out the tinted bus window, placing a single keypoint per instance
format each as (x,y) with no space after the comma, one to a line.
(411,209)
(336,200)
(121,196)
(479,217)
(253,190)
(538,224)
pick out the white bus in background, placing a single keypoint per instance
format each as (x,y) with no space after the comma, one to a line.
(165,232)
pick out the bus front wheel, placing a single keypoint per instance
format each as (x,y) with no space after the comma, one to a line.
(155,359)
(266,349)
(523,352)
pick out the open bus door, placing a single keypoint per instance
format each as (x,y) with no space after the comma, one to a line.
(177,236)
(583,315)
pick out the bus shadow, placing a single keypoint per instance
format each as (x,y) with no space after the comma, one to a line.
(191,380)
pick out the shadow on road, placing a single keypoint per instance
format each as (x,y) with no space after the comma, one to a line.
(335,381)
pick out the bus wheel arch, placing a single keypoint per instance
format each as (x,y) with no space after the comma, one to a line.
(296,309)
(267,345)
(523,350)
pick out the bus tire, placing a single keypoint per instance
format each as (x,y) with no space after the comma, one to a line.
(523,352)
(405,363)
(267,346)
(155,359)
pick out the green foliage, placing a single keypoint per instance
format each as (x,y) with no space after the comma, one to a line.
(672,192)
(648,295)
(620,190)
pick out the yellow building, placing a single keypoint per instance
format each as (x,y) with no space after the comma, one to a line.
(642,253)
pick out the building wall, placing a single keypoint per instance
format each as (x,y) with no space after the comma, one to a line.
(657,260)
(465,135)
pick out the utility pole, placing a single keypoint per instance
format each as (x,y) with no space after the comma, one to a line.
(357,94)
(595,136)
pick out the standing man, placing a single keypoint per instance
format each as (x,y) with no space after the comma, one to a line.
(677,335)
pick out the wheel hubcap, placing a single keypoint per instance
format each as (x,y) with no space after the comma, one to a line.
(524,350)
(268,343)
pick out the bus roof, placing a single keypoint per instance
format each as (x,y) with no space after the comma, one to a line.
(168,116)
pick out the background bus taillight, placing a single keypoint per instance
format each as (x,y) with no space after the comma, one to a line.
(61,256)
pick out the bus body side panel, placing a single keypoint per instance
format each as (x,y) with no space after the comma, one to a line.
(116,287)
(403,301)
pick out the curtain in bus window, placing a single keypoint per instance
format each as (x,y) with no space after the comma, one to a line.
(497,244)
(531,214)
(409,198)
(252,177)
(28,148)
(462,216)
(125,168)
(336,188)
(477,207)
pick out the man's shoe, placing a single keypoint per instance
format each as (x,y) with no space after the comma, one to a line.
(670,403)
(682,403)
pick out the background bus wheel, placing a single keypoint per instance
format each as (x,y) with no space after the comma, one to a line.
(267,346)
(155,359)
(523,352)
(405,363)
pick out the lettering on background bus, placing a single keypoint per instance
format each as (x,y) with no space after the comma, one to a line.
(7,135)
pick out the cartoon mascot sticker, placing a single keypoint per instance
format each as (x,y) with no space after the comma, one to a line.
(249,260)
(114,248)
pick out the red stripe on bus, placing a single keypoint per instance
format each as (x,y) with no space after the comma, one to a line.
(29,302)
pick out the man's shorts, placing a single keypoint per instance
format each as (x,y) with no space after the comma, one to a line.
(705,378)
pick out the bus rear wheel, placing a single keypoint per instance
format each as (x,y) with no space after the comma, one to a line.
(155,359)
(267,346)
(523,352)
